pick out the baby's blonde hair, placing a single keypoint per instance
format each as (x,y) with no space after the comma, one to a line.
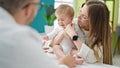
(65,10)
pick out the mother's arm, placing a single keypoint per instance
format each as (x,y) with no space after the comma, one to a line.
(71,32)
(83,50)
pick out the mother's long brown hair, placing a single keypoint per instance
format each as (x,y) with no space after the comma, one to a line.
(98,15)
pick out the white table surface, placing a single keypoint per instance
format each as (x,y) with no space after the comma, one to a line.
(85,65)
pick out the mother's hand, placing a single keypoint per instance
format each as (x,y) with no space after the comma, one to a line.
(68,60)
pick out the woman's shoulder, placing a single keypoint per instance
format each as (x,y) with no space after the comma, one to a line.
(77,28)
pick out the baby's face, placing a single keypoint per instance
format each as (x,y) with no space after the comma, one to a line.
(64,20)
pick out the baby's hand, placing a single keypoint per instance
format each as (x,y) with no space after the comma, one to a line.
(45,37)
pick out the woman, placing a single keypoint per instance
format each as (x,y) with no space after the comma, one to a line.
(93,23)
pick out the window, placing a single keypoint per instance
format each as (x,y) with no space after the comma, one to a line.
(58,2)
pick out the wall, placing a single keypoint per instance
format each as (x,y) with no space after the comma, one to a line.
(39,22)
(78,3)
(110,7)
(119,14)
(116,10)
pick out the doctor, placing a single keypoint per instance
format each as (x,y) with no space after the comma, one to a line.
(20,45)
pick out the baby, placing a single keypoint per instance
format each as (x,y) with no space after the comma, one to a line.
(57,38)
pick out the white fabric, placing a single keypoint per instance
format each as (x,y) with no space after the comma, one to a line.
(81,33)
(55,31)
(20,46)
(86,53)
(66,45)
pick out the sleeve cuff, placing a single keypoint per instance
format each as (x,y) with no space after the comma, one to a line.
(83,52)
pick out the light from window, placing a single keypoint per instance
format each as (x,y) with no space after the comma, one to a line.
(69,2)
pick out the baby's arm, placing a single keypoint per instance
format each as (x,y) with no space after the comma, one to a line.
(50,35)
(54,32)
(58,38)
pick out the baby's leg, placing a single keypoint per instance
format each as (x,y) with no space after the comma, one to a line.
(58,51)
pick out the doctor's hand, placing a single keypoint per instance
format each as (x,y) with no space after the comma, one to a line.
(68,60)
